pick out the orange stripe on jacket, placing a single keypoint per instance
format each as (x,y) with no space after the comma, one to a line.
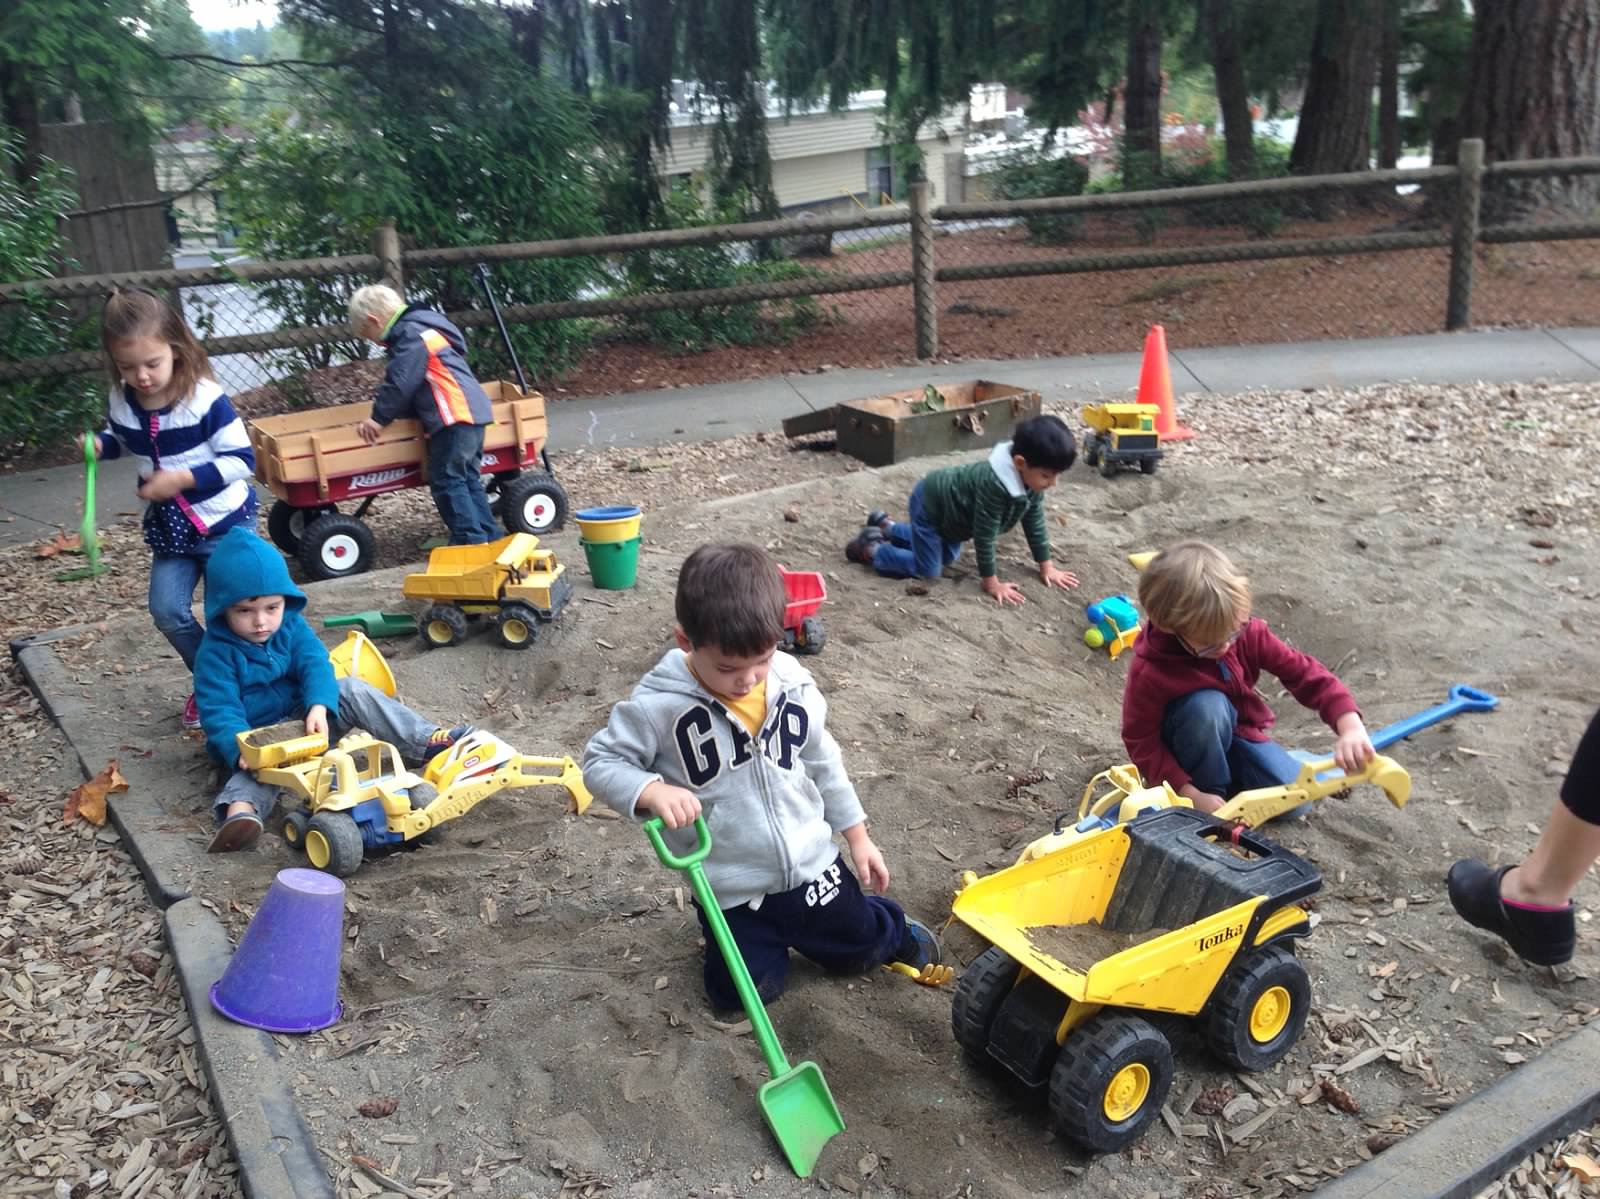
(448,397)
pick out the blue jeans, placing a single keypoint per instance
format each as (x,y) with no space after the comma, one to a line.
(915,549)
(829,920)
(1198,730)
(455,460)
(172,584)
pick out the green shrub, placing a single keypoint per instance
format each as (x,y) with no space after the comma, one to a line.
(705,268)
(1033,174)
(40,412)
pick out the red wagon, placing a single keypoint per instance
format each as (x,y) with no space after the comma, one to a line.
(313,461)
(802,630)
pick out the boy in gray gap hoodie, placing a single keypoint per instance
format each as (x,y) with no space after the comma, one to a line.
(726,727)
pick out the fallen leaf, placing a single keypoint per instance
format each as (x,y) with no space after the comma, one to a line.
(377,1109)
(89,799)
(1581,1164)
(61,543)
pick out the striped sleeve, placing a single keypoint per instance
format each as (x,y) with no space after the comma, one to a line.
(1033,527)
(987,517)
(229,443)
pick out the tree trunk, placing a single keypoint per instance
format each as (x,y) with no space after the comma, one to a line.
(1141,102)
(1389,87)
(1233,96)
(19,108)
(1335,134)
(1532,93)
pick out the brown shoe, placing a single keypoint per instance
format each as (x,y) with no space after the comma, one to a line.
(238,831)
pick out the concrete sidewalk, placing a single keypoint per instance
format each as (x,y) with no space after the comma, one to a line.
(35,503)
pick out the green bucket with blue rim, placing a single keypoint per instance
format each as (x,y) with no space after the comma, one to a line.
(614,565)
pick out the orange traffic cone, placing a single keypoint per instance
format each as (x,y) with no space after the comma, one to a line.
(1155,386)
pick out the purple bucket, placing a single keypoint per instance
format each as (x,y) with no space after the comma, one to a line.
(284,976)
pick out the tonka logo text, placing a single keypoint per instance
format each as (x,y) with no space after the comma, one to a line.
(1218,938)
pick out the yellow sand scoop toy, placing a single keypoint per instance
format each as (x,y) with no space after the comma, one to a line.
(1127,796)
(931,975)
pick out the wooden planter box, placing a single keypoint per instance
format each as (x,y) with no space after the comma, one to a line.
(316,457)
(883,429)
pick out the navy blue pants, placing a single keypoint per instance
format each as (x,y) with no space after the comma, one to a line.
(915,548)
(830,920)
(455,456)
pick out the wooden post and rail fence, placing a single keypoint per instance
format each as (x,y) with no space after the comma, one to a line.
(388,262)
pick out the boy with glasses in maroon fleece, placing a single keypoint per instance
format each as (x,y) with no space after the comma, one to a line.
(1191,715)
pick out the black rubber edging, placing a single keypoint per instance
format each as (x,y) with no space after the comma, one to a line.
(249,1087)
(1475,1143)
(277,1156)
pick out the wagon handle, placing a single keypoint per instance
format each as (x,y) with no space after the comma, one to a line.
(482,271)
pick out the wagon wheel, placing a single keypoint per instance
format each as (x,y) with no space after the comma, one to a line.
(336,546)
(442,625)
(1259,1009)
(983,988)
(534,503)
(518,626)
(1110,1081)
(333,843)
(286,524)
(294,828)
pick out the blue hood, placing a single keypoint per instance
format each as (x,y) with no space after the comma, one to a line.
(244,566)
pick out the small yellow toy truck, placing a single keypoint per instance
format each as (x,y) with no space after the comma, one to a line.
(1124,435)
(358,798)
(511,580)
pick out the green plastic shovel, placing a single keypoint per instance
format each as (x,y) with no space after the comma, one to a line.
(88,536)
(796,1102)
(375,623)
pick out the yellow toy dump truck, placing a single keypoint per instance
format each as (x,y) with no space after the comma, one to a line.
(1098,947)
(511,580)
(1143,913)
(358,799)
(1123,435)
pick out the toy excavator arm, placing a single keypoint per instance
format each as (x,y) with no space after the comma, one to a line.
(462,795)
(1254,808)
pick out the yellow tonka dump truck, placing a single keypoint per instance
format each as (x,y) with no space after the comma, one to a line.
(511,580)
(1098,949)
(1123,435)
(358,798)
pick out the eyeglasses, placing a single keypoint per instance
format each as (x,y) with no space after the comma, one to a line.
(1211,650)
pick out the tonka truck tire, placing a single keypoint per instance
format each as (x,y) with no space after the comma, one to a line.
(286,524)
(1091,451)
(534,503)
(983,988)
(421,796)
(1110,1081)
(517,626)
(441,626)
(1108,466)
(294,829)
(335,546)
(811,638)
(1259,1009)
(333,843)
(1149,463)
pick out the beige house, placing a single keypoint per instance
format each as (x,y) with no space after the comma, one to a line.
(823,159)
(185,167)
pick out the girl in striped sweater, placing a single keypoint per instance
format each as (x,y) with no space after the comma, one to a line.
(194,458)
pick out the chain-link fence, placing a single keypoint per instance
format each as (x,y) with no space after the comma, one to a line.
(1375,254)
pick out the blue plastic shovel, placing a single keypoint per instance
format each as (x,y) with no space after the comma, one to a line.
(1462,699)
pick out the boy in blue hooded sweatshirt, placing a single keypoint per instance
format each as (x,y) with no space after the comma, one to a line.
(260,664)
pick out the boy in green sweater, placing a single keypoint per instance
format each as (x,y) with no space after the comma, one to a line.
(976,502)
